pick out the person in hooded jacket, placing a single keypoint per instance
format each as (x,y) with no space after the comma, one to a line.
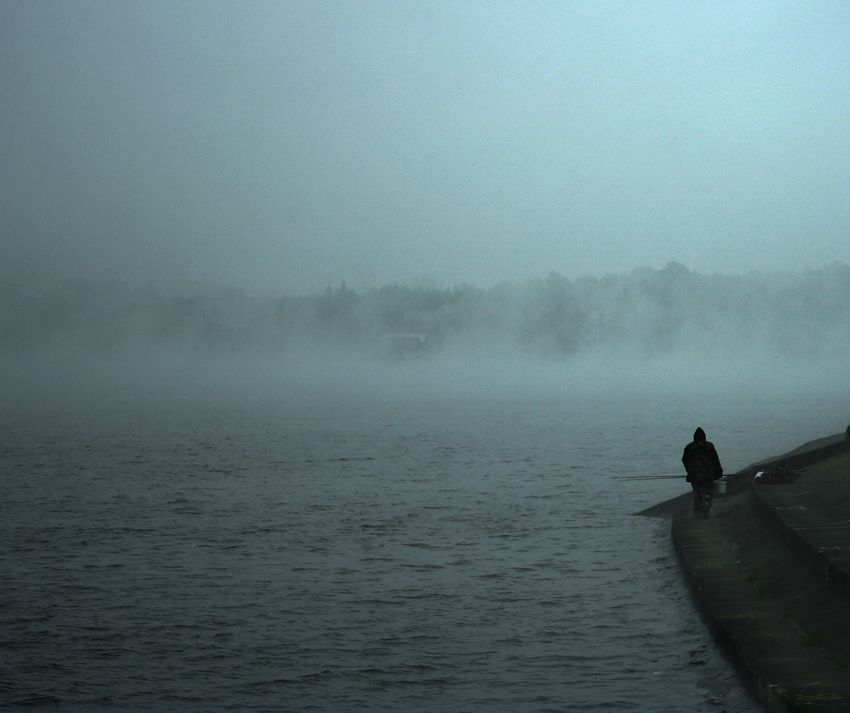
(702,465)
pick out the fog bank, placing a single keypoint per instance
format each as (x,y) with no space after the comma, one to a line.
(665,330)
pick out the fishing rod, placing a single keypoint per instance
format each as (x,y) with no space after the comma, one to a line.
(647,477)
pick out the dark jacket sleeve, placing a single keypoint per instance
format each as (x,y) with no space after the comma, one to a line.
(685,461)
(718,469)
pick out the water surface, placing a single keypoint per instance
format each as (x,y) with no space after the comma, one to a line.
(464,554)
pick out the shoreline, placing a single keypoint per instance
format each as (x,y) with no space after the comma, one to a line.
(770,572)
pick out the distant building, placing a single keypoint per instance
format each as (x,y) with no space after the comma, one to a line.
(400,345)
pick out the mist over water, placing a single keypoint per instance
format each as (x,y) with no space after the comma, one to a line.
(171,378)
(396,500)
(650,332)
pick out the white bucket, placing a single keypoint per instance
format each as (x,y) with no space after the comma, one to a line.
(721,487)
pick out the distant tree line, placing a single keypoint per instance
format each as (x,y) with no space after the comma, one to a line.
(648,310)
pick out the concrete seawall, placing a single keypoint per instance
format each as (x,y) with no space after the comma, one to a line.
(770,570)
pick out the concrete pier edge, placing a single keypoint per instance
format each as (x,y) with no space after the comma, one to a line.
(770,573)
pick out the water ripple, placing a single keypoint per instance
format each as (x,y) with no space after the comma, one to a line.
(455,559)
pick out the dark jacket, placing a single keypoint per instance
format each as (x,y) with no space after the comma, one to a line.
(701,461)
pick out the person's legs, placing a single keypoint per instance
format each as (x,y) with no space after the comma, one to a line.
(702,498)
(697,499)
(707,491)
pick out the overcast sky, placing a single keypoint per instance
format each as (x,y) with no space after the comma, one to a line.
(286,146)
